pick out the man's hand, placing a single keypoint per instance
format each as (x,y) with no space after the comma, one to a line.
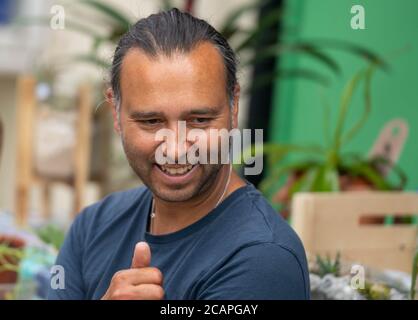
(141,282)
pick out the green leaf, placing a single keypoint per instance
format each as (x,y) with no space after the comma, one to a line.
(96,45)
(348,46)
(321,57)
(274,177)
(317,178)
(120,19)
(277,49)
(276,152)
(268,77)
(326,180)
(343,109)
(327,266)
(276,173)
(414,276)
(371,174)
(229,27)
(264,23)
(10,257)
(306,182)
(367,106)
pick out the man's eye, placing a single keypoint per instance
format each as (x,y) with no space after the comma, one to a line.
(151,121)
(200,120)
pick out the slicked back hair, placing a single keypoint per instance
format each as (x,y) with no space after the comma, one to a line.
(170,32)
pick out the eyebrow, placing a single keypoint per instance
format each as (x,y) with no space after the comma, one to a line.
(145,114)
(203,111)
(154,114)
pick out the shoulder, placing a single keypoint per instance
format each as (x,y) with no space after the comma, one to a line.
(258,223)
(275,264)
(259,243)
(258,271)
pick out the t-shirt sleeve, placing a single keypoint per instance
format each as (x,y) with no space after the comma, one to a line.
(66,282)
(265,271)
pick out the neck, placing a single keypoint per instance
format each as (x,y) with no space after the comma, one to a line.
(171,217)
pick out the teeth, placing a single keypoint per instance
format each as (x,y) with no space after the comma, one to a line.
(177,171)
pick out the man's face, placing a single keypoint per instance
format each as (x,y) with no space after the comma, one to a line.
(159,92)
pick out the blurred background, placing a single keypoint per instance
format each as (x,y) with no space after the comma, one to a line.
(331,83)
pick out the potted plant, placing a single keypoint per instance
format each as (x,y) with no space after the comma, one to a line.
(24,267)
(10,255)
(11,252)
(328,167)
(332,279)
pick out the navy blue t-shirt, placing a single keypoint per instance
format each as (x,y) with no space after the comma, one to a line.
(242,249)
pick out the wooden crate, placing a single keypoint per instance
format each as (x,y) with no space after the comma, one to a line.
(330,222)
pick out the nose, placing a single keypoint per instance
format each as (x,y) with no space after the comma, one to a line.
(177,146)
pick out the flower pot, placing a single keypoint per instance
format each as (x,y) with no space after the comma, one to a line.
(9,276)
(347,183)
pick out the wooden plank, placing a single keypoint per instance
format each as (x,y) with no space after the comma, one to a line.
(25,121)
(102,148)
(46,199)
(83,147)
(1,139)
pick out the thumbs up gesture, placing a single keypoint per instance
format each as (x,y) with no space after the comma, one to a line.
(140,282)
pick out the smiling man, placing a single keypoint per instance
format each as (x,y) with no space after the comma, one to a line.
(195,230)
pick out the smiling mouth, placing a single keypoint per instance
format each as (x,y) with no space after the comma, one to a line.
(177,170)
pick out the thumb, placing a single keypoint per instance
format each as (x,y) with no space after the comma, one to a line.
(142,255)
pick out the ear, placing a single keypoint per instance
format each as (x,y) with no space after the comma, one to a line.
(235,107)
(110,99)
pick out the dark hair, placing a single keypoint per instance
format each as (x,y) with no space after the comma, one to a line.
(167,32)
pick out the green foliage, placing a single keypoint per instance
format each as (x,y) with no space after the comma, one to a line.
(328,265)
(112,23)
(10,257)
(321,166)
(414,276)
(51,234)
(375,291)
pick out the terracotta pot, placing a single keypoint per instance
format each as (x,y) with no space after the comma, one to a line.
(347,183)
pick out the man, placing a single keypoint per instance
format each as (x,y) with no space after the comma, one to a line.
(196,231)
